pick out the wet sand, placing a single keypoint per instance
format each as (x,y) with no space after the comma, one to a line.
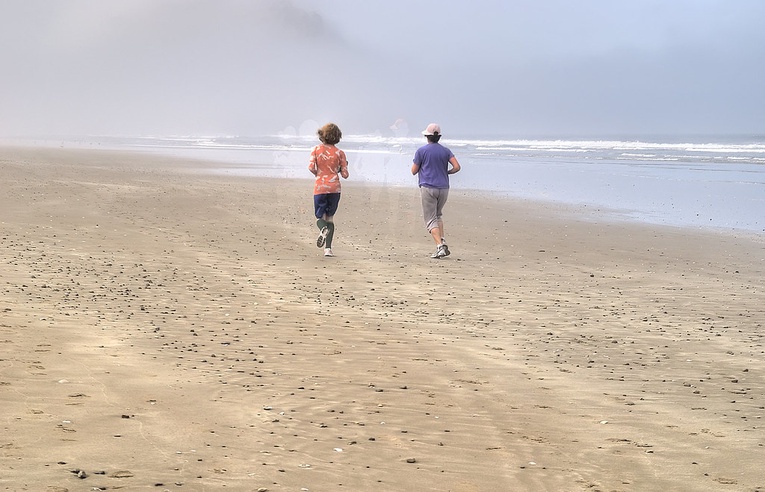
(164,328)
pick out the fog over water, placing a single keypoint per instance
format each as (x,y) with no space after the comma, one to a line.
(488,67)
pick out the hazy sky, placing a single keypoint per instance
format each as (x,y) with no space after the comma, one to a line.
(507,67)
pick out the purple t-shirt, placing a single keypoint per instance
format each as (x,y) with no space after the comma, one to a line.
(433,159)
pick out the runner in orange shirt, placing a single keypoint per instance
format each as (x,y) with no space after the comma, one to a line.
(327,163)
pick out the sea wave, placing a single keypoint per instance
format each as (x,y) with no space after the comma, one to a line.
(721,150)
(672,181)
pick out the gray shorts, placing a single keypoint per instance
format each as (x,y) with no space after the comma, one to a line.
(433,201)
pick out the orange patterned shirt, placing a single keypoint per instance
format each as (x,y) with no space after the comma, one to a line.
(327,163)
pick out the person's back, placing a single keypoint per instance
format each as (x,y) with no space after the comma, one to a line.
(434,165)
(327,163)
(431,165)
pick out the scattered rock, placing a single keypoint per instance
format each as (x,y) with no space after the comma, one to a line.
(122,474)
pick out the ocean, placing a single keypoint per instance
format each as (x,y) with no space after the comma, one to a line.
(709,183)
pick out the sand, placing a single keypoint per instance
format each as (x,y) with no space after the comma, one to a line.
(164,328)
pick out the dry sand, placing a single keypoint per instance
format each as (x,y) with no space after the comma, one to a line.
(167,329)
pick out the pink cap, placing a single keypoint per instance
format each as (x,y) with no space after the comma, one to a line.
(432,129)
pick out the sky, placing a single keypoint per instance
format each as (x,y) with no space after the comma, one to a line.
(505,68)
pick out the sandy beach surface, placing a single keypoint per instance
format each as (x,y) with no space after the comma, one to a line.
(165,328)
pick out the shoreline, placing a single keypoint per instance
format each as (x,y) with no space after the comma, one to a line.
(668,192)
(176,328)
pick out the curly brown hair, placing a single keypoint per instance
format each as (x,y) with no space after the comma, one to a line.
(330,134)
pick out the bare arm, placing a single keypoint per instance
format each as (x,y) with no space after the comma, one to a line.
(415,168)
(455,166)
(313,166)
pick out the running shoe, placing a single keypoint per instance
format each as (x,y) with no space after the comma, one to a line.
(322,237)
(440,252)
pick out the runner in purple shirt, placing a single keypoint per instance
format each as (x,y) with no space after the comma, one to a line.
(431,164)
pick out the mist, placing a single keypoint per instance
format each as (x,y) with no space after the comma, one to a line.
(509,68)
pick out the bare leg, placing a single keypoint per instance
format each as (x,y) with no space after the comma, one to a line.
(438,237)
(436,233)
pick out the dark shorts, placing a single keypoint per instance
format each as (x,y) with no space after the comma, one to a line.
(326,204)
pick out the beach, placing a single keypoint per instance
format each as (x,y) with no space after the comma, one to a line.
(169,328)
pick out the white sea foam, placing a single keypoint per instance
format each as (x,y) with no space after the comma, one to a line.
(687,183)
(638,150)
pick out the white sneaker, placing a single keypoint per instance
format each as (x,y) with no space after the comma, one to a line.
(441,251)
(446,249)
(328,252)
